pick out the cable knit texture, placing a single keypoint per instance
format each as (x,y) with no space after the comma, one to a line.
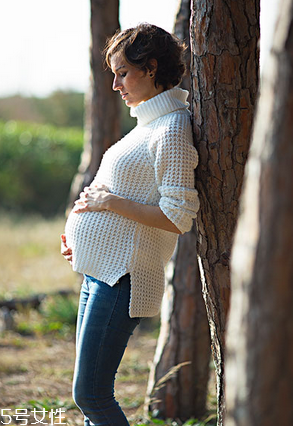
(154,165)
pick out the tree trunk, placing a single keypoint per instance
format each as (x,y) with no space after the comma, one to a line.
(260,333)
(102,116)
(224,71)
(184,338)
(184,334)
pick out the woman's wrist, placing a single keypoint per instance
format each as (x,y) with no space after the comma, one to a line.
(112,201)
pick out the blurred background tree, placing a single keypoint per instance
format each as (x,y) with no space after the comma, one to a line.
(102,112)
(260,330)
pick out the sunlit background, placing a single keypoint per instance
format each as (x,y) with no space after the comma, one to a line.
(45,45)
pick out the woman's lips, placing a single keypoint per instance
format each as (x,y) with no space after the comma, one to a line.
(124,95)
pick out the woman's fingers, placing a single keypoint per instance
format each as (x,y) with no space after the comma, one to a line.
(68,258)
(83,195)
(65,251)
(94,188)
(102,186)
(79,202)
(63,242)
(91,199)
(77,209)
(80,206)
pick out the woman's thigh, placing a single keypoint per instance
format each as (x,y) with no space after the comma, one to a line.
(83,298)
(104,328)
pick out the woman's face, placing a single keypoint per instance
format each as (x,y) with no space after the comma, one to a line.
(135,86)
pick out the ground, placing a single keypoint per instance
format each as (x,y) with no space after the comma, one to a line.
(36,372)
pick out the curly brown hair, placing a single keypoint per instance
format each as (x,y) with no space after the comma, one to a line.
(141,44)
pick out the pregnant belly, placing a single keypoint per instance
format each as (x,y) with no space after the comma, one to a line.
(98,234)
(83,229)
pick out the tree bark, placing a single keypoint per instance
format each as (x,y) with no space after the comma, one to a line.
(224,75)
(260,333)
(184,334)
(184,338)
(102,112)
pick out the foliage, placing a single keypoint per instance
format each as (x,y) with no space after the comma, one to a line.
(38,161)
(61,108)
(37,164)
(48,404)
(64,109)
(61,309)
(57,316)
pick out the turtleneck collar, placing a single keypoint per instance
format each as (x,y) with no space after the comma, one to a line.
(162,104)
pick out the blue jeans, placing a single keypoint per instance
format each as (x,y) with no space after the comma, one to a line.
(103,330)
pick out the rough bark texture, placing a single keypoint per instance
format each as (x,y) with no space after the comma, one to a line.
(260,332)
(184,337)
(184,334)
(224,38)
(102,123)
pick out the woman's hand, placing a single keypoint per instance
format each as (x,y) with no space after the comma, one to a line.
(92,199)
(97,198)
(65,250)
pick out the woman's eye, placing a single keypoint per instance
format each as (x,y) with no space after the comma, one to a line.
(123,74)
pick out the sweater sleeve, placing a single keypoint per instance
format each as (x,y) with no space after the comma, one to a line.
(174,163)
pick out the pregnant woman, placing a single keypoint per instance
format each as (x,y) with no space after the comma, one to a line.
(124,227)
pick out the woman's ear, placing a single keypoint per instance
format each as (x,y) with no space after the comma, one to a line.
(152,67)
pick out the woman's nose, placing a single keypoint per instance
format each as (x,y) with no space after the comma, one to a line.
(116,84)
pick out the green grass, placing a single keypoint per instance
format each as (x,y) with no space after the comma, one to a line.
(48,404)
(57,316)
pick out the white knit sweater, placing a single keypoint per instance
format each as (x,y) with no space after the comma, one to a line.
(154,165)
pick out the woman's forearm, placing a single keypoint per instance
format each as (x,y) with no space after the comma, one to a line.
(142,213)
(98,198)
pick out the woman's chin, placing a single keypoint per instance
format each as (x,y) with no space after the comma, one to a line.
(129,103)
